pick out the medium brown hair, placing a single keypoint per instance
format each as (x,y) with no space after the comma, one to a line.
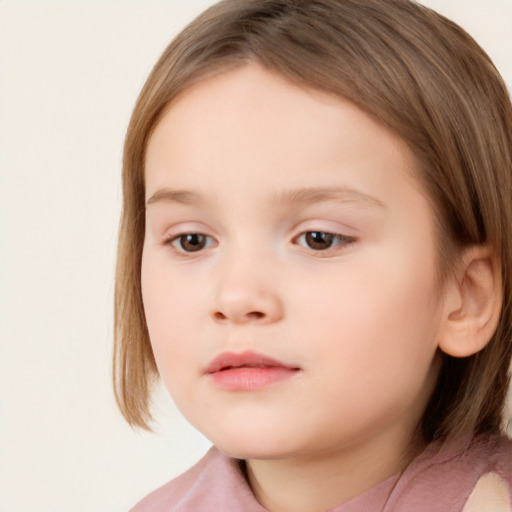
(414,71)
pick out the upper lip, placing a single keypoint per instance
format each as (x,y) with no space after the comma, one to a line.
(227,360)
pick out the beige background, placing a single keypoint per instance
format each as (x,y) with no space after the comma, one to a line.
(69,75)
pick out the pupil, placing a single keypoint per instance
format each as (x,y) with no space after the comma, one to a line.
(193,242)
(319,240)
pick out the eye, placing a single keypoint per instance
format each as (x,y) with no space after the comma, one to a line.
(191,242)
(322,240)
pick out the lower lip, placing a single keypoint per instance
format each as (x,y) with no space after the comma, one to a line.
(251,379)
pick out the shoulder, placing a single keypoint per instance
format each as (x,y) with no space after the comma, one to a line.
(216,482)
(458,477)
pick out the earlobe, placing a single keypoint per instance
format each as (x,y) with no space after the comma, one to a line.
(472,303)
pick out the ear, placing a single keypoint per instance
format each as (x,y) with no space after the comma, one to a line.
(472,303)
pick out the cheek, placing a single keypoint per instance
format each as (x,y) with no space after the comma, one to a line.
(170,295)
(375,319)
(168,307)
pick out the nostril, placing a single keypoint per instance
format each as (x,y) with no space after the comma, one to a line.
(255,314)
(252,315)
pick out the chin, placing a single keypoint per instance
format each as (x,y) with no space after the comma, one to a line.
(253,447)
(252,452)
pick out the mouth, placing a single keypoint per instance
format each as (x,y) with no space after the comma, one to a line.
(248,371)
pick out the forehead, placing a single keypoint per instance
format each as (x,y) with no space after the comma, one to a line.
(247,121)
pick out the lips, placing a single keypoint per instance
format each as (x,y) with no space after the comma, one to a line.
(230,360)
(247,371)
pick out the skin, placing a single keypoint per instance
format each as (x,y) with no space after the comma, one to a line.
(489,495)
(360,319)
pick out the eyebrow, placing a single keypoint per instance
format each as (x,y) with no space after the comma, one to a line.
(166,195)
(294,197)
(312,195)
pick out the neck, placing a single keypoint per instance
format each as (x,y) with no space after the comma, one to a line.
(322,482)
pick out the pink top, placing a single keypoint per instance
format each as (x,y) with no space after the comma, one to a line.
(439,480)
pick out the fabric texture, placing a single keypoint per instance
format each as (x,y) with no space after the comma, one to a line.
(439,480)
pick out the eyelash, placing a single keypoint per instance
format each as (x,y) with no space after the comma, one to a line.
(334,239)
(178,240)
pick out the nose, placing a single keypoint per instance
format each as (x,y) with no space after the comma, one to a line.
(246,294)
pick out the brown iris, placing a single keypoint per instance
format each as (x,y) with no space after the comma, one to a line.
(319,240)
(192,242)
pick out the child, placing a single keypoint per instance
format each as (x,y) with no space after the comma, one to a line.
(315,256)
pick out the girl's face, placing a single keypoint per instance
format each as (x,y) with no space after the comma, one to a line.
(289,270)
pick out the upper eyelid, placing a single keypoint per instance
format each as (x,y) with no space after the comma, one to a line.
(186,228)
(347,231)
(173,236)
(349,238)
(320,227)
(326,225)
